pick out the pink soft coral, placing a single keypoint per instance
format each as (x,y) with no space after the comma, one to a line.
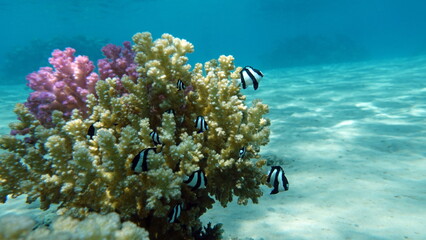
(118,62)
(63,88)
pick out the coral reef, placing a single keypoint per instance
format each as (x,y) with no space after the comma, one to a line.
(93,227)
(209,232)
(118,61)
(94,171)
(63,88)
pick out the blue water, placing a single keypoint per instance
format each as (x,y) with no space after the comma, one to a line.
(351,134)
(268,33)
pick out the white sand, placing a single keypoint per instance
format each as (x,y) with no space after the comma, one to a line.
(353,141)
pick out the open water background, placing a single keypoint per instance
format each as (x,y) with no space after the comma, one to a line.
(267,34)
(344,79)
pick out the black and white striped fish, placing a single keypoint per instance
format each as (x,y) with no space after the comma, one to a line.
(155,138)
(180,85)
(175,213)
(92,131)
(197,180)
(249,76)
(243,152)
(201,124)
(140,161)
(276,177)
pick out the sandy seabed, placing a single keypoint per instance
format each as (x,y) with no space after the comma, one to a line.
(352,140)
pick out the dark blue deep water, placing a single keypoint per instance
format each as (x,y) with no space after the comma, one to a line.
(263,33)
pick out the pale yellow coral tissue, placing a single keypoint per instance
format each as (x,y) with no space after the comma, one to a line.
(86,174)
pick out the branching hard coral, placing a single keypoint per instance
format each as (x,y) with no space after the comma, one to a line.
(209,232)
(118,61)
(94,227)
(95,171)
(63,88)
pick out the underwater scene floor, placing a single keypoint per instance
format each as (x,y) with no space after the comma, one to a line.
(351,139)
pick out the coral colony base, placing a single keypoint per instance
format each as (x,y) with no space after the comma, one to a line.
(147,141)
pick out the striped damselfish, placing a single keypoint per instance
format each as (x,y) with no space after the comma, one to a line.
(250,76)
(278,180)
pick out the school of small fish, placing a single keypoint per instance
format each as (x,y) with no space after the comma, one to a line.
(198,180)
